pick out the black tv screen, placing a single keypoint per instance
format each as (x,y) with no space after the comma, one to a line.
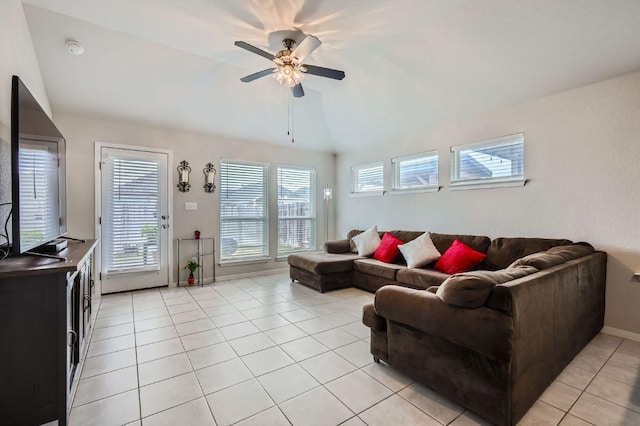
(38,169)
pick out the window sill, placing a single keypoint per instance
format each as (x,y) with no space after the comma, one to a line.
(247,261)
(487,185)
(367,194)
(414,191)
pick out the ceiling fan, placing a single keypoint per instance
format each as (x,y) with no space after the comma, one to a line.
(289,68)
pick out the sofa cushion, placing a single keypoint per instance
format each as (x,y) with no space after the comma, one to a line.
(377,268)
(420,278)
(323,263)
(367,242)
(419,252)
(476,242)
(388,249)
(572,251)
(337,246)
(406,236)
(503,251)
(459,258)
(542,260)
(472,289)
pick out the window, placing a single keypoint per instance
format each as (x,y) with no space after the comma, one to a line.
(296,209)
(244,223)
(417,172)
(367,178)
(495,161)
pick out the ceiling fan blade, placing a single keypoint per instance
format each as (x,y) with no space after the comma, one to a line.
(298,91)
(324,72)
(257,75)
(306,46)
(255,50)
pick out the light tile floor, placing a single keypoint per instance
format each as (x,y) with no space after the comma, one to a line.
(264,351)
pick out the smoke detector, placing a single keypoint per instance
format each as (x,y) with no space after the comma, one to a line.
(74,47)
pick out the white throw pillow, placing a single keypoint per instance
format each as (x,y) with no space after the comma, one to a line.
(367,242)
(420,251)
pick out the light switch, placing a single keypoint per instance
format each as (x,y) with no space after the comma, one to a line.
(191,206)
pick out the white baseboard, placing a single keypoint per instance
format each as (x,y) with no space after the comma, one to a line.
(621,333)
(237,276)
(252,274)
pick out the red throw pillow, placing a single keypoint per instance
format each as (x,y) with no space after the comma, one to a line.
(388,249)
(459,258)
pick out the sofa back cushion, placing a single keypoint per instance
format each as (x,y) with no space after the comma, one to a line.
(477,242)
(503,251)
(554,256)
(472,289)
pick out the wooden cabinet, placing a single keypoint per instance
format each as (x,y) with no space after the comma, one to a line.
(45,319)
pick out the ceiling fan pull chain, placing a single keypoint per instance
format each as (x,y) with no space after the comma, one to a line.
(288,115)
(293,120)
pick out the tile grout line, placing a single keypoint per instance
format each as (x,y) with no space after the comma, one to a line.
(583,391)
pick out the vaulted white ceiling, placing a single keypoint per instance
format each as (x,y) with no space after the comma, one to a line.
(409,64)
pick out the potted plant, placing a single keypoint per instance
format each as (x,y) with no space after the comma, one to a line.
(192,266)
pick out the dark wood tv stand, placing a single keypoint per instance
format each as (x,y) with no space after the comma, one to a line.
(45,321)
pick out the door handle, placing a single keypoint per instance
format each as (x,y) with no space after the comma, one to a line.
(165,226)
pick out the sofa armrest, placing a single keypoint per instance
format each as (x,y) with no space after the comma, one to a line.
(337,246)
(371,319)
(481,329)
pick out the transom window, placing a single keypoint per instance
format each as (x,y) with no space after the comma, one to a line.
(367,178)
(493,161)
(244,221)
(418,172)
(296,209)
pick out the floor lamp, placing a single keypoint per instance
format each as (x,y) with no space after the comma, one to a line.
(327,194)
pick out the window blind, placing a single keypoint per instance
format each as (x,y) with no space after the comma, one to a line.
(133,209)
(296,209)
(367,178)
(39,200)
(419,171)
(494,160)
(243,211)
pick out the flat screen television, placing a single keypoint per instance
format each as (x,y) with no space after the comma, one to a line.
(38,170)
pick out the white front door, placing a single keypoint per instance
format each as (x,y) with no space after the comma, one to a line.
(134,219)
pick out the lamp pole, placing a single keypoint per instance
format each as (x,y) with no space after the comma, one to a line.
(327,195)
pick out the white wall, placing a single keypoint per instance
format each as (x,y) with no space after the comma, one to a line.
(17,57)
(582,151)
(81,134)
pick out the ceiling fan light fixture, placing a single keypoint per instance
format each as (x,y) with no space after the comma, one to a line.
(288,75)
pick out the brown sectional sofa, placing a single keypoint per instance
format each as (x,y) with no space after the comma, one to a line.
(491,340)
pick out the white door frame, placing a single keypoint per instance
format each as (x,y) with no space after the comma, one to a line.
(98,204)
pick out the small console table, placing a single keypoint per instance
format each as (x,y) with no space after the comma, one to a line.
(201,253)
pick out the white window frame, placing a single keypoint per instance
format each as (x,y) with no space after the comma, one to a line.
(395,169)
(498,182)
(354,179)
(250,258)
(312,200)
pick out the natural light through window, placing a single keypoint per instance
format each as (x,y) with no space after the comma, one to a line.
(418,172)
(367,178)
(296,209)
(496,161)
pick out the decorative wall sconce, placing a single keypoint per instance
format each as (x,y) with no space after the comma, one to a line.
(183,176)
(209,177)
